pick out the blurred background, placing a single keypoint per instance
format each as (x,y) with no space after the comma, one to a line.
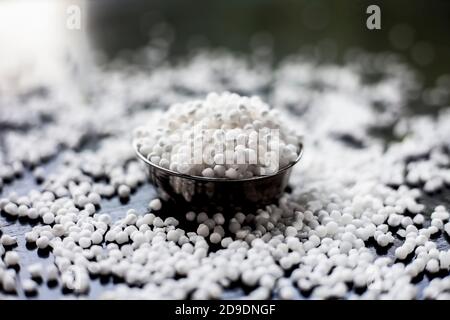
(418,29)
(34,36)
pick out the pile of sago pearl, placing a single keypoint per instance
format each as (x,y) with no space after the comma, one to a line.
(224,136)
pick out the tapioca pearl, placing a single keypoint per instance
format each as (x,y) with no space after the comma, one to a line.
(215,237)
(48,218)
(202,217)
(418,219)
(208,172)
(432,265)
(219,218)
(11,209)
(29,286)
(155,204)
(22,210)
(85,242)
(7,240)
(124,191)
(11,258)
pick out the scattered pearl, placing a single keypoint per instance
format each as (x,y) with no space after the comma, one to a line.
(11,209)
(11,258)
(29,286)
(215,237)
(155,204)
(190,216)
(42,242)
(124,191)
(203,230)
(35,270)
(7,240)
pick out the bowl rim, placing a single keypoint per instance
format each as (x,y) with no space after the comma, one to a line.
(207,179)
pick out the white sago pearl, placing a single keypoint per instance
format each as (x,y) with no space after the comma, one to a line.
(432,266)
(48,218)
(35,270)
(148,218)
(219,171)
(231,173)
(406,221)
(121,237)
(42,242)
(437,223)
(124,191)
(165,163)
(39,173)
(202,217)
(9,282)
(210,223)
(226,242)
(321,231)
(7,240)
(29,286)
(240,217)
(441,215)
(173,235)
(219,159)
(234,226)
(33,213)
(94,198)
(58,230)
(401,253)
(11,209)
(82,200)
(3,203)
(96,237)
(433,229)
(23,210)
(90,208)
(85,242)
(11,258)
(378,219)
(219,219)
(171,221)
(332,227)
(190,216)
(421,240)
(220,230)
(383,240)
(287,293)
(419,219)
(203,230)
(208,172)
(158,222)
(224,126)
(155,204)
(31,236)
(394,220)
(444,259)
(290,231)
(433,254)
(131,217)
(447,228)
(215,238)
